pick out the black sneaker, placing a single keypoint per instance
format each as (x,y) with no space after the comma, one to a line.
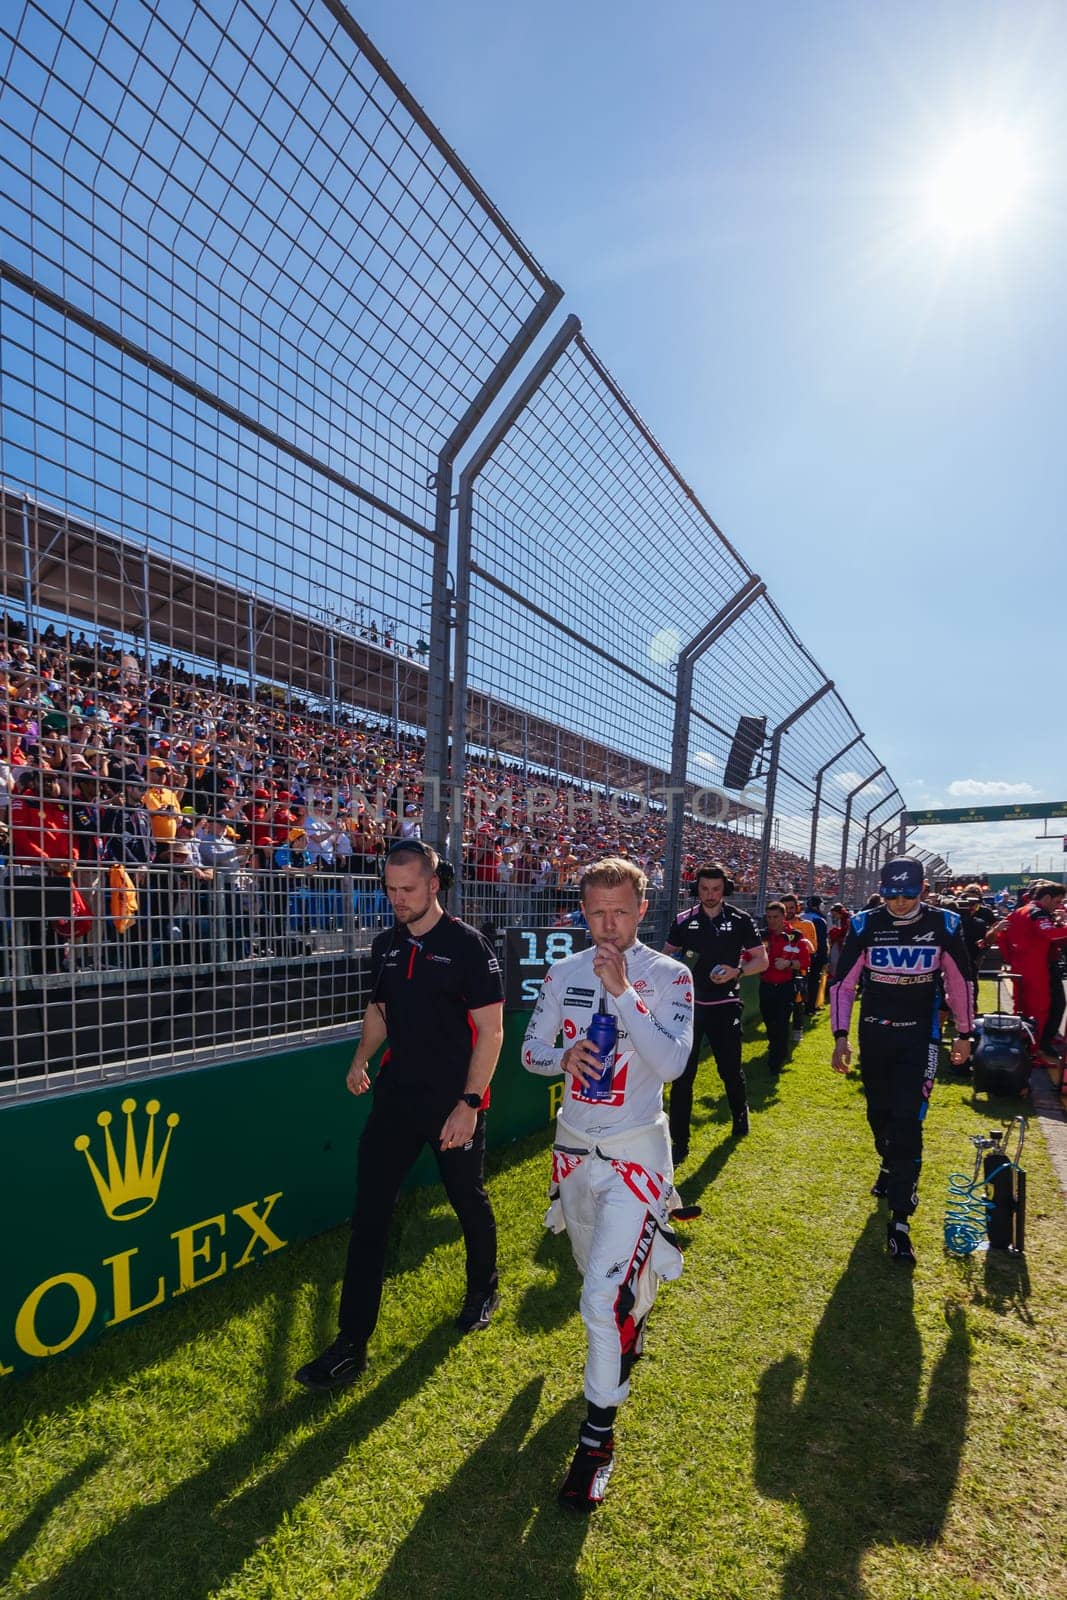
(341,1363)
(898,1242)
(583,1487)
(477,1310)
(880,1186)
(740,1128)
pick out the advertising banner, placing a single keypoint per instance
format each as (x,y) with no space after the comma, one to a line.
(130,1196)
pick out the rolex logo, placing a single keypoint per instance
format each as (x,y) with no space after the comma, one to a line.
(131,1187)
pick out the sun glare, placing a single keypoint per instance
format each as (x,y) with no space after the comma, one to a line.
(978,184)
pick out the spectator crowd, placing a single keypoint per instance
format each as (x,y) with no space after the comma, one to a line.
(161,816)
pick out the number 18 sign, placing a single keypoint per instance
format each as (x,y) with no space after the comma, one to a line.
(529,952)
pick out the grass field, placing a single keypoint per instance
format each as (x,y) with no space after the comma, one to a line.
(809,1422)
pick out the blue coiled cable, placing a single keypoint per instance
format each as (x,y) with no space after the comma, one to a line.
(968,1209)
(967,1213)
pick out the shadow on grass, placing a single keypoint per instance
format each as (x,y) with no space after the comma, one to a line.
(999,1281)
(23,1536)
(497,1521)
(548,1303)
(762,1093)
(853,1452)
(185,1546)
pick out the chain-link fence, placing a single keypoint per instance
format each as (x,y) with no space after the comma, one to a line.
(286,577)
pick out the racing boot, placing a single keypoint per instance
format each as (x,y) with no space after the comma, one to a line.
(583,1487)
(880,1186)
(899,1245)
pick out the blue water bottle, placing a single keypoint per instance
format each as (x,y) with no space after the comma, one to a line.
(602,1034)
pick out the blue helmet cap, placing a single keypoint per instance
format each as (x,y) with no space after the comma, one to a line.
(904,877)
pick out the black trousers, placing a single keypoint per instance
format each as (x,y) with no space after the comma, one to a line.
(1057,1005)
(776,1009)
(720,1025)
(898,1065)
(813,980)
(35,901)
(396,1131)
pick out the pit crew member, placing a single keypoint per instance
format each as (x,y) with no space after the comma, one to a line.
(718,941)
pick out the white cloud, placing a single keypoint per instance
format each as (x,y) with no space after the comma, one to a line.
(710,763)
(977,847)
(846,780)
(978,789)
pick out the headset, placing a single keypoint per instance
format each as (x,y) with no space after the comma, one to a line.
(443,871)
(715,869)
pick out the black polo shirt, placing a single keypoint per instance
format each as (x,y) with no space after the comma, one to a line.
(713,942)
(429,987)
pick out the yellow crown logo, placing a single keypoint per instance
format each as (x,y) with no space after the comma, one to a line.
(131,1189)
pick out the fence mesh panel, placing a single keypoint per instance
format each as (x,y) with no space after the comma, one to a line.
(247,294)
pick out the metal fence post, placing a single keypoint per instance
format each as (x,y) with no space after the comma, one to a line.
(823,770)
(145,603)
(566,335)
(848,820)
(435,764)
(27,576)
(867,855)
(772,787)
(688,657)
(251,625)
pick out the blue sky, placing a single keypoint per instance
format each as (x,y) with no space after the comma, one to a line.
(735,198)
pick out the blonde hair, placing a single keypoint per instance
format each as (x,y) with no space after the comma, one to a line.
(611,873)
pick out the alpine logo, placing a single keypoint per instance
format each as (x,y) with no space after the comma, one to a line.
(924,938)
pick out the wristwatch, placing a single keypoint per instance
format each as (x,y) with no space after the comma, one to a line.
(472,1100)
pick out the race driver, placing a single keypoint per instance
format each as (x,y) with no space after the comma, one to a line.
(612,1176)
(904,951)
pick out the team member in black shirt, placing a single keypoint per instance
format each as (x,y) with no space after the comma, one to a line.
(976,919)
(437,997)
(719,942)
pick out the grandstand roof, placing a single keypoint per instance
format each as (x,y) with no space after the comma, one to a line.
(100,579)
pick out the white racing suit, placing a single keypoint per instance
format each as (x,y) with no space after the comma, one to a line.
(612,1175)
